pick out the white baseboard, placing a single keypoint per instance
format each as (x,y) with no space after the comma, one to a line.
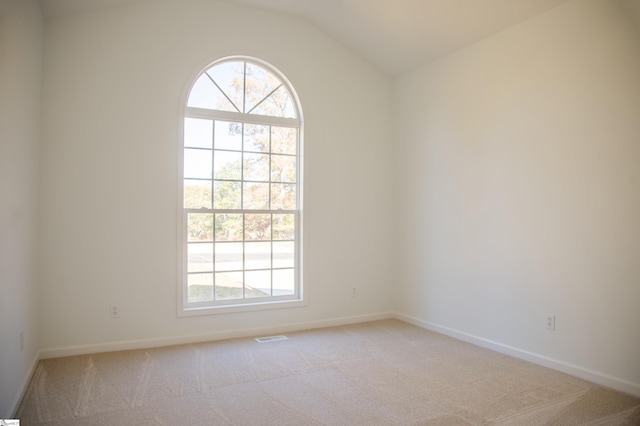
(15,404)
(220,335)
(574,370)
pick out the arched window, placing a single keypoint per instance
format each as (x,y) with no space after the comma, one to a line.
(241,190)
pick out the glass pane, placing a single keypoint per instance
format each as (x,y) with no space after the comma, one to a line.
(198,133)
(197,194)
(227,165)
(256,196)
(205,94)
(257,226)
(278,104)
(199,257)
(229,285)
(228,135)
(283,282)
(200,226)
(228,227)
(257,283)
(256,137)
(283,254)
(256,167)
(229,76)
(228,256)
(283,140)
(283,168)
(197,163)
(259,83)
(199,288)
(257,255)
(283,196)
(227,195)
(283,227)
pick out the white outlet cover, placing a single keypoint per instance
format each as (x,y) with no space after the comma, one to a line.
(551,322)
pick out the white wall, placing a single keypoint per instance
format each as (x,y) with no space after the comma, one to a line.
(20,78)
(516,176)
(112,89)
(519,164)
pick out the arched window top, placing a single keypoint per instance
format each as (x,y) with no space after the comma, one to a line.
(245,86)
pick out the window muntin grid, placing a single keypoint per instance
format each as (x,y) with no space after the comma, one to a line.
(241,189)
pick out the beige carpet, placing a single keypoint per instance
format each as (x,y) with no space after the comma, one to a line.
(379,373)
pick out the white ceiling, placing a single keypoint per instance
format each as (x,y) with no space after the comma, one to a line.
(394,35)
(398,35)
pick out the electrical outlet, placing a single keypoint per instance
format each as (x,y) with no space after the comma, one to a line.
(22,341)
(353,292)
(551,322)
(114,311)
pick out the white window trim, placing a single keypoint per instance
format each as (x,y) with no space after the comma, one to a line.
(300,298)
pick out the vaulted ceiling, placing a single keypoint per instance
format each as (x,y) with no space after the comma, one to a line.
(398,35)
(394,35)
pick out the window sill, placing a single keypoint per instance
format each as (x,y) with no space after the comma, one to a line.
(245,307)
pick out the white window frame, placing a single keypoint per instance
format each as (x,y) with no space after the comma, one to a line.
(245,304)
